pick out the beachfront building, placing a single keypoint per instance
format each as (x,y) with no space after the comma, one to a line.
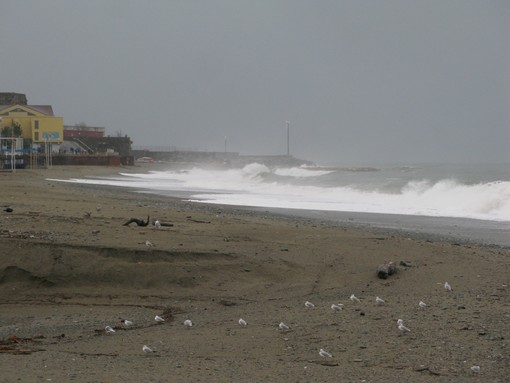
(37,123)
(82,130)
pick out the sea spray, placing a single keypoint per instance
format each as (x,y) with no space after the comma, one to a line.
(398,190)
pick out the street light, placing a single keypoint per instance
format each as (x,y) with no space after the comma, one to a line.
(288,137)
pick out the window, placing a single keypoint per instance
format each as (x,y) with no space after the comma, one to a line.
(36,136)
(36,124)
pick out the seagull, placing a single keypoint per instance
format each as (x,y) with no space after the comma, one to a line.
(325,354)
(242,322)
(157,318)
(422,304)
(475,368)
(157,224)
(188,323)
(379,301)
(109,330)
(149,243)
(127,322)
(146,349)
(401,326)
(310,305)
(283,326)
(337,307)
(354,298)
(447,286)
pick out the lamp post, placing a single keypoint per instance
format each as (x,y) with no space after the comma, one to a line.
(288,138)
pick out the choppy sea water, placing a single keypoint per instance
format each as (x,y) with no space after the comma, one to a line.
(448,197)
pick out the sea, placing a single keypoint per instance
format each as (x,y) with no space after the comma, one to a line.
(467,202)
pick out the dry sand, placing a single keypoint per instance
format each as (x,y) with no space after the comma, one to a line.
(68,268)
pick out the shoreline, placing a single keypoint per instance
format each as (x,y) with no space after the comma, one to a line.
(70,267)
(451,229)
(445,229)
(448,229)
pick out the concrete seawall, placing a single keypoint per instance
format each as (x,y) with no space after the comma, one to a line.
(221,158)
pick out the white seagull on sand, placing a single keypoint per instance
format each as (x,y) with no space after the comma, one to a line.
(354,298)
(188,323)
(157,224)
(283,326)
(379,301)
(337,307)
(242,322)
(127,322)
(149,243)
(422,304)
(310,305)
(146,349)
(157,318)
(447,286)
(401,326)
(325,354)
(109,330)
(475,368)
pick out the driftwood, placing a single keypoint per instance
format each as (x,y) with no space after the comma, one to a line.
(139,222)
(14,345)
(386,269)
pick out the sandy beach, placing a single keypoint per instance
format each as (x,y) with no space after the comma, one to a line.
(69,267)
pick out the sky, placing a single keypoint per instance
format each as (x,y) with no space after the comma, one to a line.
(360,81)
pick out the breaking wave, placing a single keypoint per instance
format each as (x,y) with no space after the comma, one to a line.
(328,190)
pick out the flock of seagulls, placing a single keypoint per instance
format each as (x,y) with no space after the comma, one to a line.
(284,327)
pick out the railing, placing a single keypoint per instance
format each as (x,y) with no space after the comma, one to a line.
(76,139)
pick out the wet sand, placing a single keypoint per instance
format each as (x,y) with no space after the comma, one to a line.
(68,268)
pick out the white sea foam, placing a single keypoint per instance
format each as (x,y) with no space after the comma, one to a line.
(300,172)
(304,188)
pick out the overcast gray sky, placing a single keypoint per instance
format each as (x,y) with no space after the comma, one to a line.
(360,81)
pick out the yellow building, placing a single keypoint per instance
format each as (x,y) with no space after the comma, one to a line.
(37,122)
